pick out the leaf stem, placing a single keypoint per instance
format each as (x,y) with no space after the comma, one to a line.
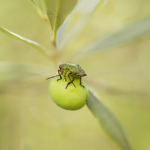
(56,54)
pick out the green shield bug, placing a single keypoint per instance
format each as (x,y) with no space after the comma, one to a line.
(71,71)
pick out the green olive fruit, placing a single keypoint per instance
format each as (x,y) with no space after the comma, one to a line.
(70,98)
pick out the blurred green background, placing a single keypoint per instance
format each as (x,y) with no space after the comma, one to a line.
(29,120)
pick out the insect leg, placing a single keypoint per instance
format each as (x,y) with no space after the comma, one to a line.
(70,79)
(59,75)
(81,83)
(65,73)
(70,82)
(51,77)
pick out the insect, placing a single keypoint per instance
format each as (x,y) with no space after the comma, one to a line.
(71,71)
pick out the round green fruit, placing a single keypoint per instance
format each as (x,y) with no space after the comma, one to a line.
(72,98)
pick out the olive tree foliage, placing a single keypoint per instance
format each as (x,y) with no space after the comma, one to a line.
(58,15)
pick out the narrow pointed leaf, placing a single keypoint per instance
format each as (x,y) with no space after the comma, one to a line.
(23,67)
(39,11)
(36,45)
(108,121)
(122,37)
(18,72)
(86,13)
(73,33)
(57,11)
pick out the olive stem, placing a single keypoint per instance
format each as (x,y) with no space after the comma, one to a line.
(56,54)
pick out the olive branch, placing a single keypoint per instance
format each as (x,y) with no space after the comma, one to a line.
(57,20)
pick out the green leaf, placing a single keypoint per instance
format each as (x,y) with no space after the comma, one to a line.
(79,26)
(124,36)
(38,10)
(85,13)
(15,72)
(57,11)
(108,121)
(36,45)
(23,67)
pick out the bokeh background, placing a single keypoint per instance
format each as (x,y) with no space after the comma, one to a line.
(29,119)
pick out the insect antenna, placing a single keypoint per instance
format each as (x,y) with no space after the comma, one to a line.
(51,77)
